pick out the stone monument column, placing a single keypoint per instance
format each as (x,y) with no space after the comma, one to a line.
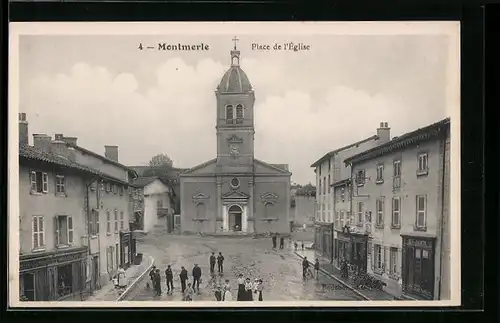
(250,214)
(218,217)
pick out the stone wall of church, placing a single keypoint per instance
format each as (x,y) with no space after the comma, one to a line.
(199,204)
(275,216)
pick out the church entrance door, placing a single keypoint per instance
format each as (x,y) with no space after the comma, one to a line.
(235,214)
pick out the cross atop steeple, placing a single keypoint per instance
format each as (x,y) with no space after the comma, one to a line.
(235,39)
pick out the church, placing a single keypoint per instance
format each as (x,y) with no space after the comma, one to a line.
(235,193)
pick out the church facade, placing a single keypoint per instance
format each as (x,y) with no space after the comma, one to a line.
(235,193)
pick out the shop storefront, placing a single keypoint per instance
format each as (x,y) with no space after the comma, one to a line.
(51,276)
(323,240)
(127,249)
(418,267)
(352,247)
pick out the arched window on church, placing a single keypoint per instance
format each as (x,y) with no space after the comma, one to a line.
(200,210)
(268,210)
(229,114)
(239,114)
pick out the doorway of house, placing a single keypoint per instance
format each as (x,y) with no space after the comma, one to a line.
(96,281)
(235,213)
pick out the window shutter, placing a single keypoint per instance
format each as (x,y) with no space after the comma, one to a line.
(97,222)
(70,229)
(34,228)
(45,182)
(372,251)
(399,262)
(33,180)
(41,231)
(385,254)
(56,230)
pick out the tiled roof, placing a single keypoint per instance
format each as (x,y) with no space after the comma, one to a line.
(410,138)
(32,153)
(143,181)
(90,152)
(333,152)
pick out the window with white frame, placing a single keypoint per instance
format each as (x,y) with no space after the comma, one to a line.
(114,188)
(397,168)
(39,182)
(423,163)
(324,185)
(360,213)
(421,211)
(94,223)
(380,173)
(393,261)
(121,190)
(377,254)
(337,219)
(360,177)
(108,187)
(108,222)
(329,184)
(38,237)
(122,220)
(319,190)
(60,189)
(159,204)
(380,212)
(116,221)
(64,230)
(396,212)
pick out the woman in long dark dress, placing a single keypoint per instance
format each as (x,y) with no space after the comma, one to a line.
(241,288)
(248,290)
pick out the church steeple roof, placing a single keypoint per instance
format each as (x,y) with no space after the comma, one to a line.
(235,79)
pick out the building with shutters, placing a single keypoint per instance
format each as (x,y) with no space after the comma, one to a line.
(400,201)
(333,208)
(72,214)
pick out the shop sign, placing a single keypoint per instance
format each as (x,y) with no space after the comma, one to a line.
(419,243)
(51,260)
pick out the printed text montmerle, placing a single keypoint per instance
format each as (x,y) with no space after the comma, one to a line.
(176,47)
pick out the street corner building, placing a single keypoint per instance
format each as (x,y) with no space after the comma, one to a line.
(383,208)
(73,217)
(235,193)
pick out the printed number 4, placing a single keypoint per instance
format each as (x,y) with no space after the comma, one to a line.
(140,46)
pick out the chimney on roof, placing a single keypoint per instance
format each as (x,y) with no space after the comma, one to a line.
(70,140)
(384,132)
(23,129)
(42,141)
(59,146)
(111,152)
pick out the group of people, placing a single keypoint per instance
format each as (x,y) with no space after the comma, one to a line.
(276,236)
(245,292)
(187,289)
(306,271)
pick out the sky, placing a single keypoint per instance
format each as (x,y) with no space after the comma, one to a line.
(105,91)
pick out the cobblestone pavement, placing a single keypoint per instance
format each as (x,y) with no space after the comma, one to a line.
(279,269)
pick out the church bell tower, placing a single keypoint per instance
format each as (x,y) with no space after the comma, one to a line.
(235,119)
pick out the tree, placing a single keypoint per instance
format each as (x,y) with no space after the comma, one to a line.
(161,160)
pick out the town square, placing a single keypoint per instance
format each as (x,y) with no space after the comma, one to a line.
(234,173)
